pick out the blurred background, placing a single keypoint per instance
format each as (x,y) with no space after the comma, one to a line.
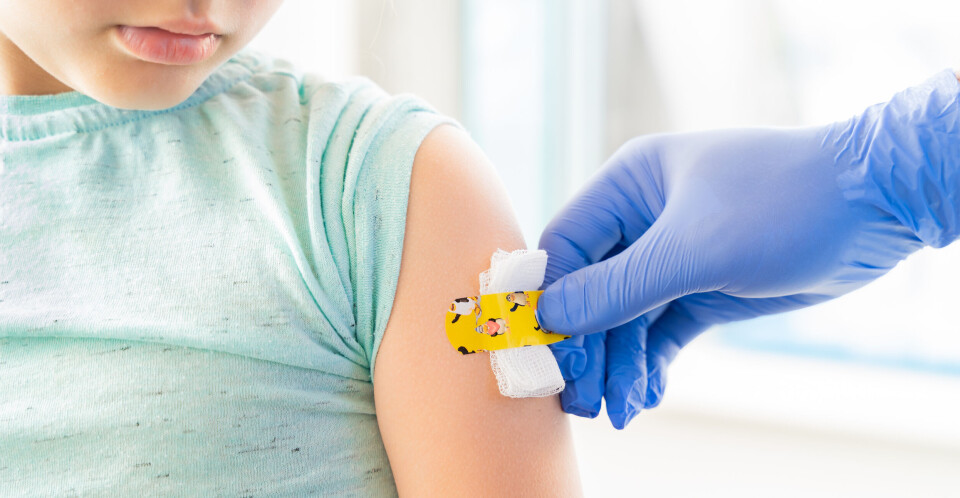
(857,397)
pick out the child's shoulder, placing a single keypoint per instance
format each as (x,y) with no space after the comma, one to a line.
(269,73)
(276,90)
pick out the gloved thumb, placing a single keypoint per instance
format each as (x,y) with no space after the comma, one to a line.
(651,272)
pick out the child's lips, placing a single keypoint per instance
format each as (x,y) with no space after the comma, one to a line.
(158,45)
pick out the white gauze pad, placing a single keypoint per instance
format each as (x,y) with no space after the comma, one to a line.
(531,371)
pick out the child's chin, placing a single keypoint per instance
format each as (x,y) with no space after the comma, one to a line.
(143,101)
(154,97)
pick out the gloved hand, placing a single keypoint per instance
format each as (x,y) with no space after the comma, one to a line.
(683,231)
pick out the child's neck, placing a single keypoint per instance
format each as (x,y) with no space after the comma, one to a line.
(20,75)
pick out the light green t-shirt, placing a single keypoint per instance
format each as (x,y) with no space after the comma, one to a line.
(191,300)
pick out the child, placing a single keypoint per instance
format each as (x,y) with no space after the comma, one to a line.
(207,257)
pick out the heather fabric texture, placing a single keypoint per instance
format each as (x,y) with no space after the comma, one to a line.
(191,300)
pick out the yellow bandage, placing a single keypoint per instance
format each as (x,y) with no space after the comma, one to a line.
(496,321)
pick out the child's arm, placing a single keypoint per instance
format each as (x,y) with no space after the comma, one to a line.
(446,428)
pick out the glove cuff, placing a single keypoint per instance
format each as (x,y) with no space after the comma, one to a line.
(903,156)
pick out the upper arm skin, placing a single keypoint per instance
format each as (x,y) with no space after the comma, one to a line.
(446,428)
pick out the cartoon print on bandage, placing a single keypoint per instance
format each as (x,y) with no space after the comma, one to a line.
(496,321)
(494,327)
(518,299)
(464,306)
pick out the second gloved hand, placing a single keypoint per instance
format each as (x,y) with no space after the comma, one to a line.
(683,231)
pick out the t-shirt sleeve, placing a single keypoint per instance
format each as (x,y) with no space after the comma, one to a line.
(364,182)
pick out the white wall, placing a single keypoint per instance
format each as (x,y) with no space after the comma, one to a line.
(412,46)
(317,35)
(403,45)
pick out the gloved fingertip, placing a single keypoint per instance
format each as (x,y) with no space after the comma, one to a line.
(537,315)
(624,396)
(620,420)
(580,408)
(575,404)
(581,412)
(545,320)
(652,402)
(654,392)
(555,314)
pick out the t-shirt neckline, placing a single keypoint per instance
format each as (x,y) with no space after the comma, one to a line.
(33,117)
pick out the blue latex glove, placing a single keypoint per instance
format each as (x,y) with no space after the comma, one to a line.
(683,231)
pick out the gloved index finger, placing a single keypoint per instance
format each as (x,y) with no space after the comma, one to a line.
(655,270)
